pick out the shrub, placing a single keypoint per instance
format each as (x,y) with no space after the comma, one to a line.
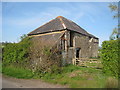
(16,53)
(34,55)
(110,58)
(44,57)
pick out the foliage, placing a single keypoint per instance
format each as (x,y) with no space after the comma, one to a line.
(78,77)
(70,68)
(16,53)
(115,34)
(44,58)
(45,62)
(33,55)
(23,37)
(114,8)
(17,72)
(73,76)
(110,57)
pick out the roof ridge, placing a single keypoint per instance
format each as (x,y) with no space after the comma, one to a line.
(59,16)
(62,22)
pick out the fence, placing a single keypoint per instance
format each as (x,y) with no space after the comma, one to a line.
(87,62)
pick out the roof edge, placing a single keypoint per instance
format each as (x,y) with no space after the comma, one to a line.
(63,30)
(45,32)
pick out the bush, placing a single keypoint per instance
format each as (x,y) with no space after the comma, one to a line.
(32,54)
(16,53)
(45,58)
(110,58)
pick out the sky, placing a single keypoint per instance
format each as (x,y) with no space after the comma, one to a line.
(20,18)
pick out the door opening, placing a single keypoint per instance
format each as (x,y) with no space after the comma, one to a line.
(77,52)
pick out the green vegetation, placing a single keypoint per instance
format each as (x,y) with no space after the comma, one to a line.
(110,57)
(17,72)
(44,58)
(19,61)
(0,67)
(16,53)
(78,77)
(115,33)
(73,76)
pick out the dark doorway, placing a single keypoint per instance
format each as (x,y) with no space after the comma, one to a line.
(77,52)
(71,38)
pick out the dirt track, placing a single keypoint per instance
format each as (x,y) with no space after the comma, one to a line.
(8,82)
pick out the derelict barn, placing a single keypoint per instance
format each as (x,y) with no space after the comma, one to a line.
(73,41)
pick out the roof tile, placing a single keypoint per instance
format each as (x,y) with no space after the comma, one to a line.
(60,23)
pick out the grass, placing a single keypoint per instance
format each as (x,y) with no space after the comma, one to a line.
(111,83)
(73,76)
(17,72)
(0,67)
(80,77)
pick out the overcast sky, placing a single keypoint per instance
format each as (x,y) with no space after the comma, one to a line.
(23,17)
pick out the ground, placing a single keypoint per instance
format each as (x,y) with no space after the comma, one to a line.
(8,82)
(89,75)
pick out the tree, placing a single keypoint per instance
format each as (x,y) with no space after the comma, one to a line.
(23,36)
(115,34)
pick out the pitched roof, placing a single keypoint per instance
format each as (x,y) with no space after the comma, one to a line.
(60,23)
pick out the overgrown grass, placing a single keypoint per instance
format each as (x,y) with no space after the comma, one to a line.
(17,72)
(78,77)
(81,77)
(73,76)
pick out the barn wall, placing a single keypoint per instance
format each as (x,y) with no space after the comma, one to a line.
(94,47)
(52,42)
(88,46)
(67,53)
(82,42)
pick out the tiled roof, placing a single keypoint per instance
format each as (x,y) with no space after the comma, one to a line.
(60,23)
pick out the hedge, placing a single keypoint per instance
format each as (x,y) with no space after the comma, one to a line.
(16,52)
(110,53)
